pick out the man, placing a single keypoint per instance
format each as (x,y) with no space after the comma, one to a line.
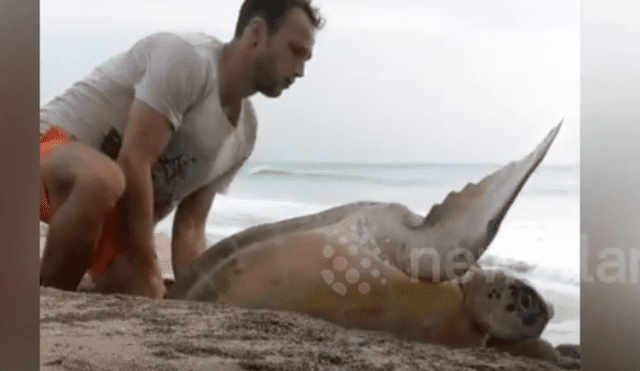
(165,124)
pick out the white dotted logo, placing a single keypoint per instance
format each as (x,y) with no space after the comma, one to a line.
(356,276)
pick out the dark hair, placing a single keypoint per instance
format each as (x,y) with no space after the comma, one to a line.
(274,12)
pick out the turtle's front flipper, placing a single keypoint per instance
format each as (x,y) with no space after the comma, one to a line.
(466,222)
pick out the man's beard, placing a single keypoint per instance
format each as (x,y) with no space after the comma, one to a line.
(266,80)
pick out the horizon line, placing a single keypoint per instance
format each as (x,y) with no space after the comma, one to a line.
(405,162)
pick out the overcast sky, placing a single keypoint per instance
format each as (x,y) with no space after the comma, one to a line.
(417,81)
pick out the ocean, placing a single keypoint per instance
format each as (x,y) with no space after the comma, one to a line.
(538,240)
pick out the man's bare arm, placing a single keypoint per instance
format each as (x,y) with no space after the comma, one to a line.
(147,134)
(188,236)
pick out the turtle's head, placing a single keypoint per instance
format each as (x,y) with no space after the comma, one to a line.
(508,307)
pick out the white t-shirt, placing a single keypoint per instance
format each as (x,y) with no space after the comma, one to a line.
(177,75)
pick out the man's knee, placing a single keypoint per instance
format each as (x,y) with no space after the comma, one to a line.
(101,191)
(94,179)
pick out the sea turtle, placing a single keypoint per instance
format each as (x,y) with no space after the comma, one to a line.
(378,266)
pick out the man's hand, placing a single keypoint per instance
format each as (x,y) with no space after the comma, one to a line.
(148,284)
(123,277)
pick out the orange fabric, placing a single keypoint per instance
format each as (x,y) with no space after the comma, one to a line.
(55,136)
(107,250)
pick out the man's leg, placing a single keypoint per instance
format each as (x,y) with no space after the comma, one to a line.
(83,185)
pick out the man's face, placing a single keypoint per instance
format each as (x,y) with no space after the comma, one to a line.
(287,52)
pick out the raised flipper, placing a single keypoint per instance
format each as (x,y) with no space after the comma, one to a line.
(466,222)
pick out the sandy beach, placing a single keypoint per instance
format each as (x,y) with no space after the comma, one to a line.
(88,331)
(81,331)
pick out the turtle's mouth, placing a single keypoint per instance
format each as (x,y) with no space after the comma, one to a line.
(168,283)
(529,303)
